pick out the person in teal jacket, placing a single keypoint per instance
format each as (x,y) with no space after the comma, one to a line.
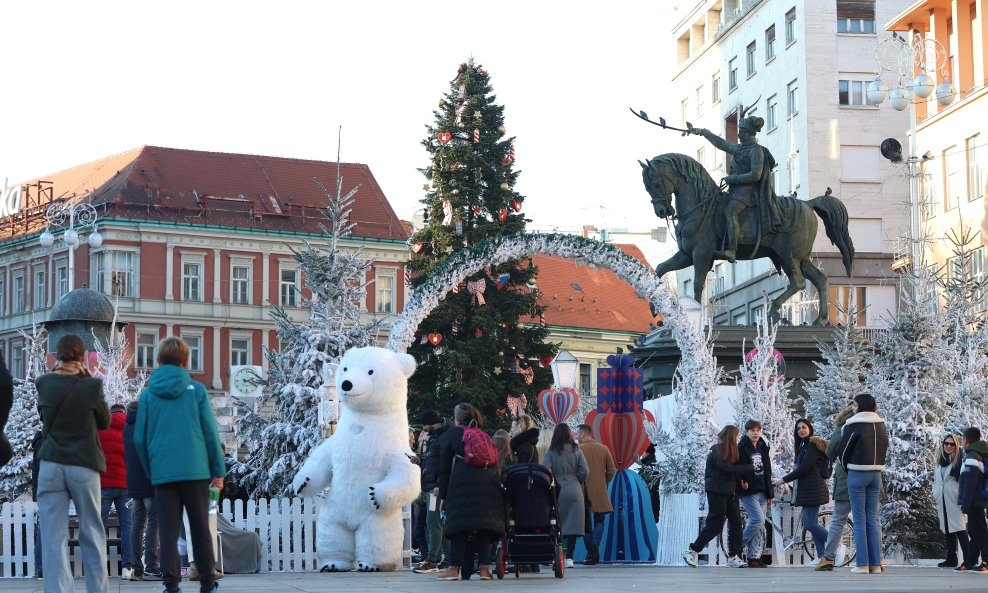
(178,445)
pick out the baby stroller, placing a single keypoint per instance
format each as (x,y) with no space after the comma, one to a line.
(532,535)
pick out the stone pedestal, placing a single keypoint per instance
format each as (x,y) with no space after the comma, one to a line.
(799,345)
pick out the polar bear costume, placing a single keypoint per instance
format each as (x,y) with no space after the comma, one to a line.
(364,464)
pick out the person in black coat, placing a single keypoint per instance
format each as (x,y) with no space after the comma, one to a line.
(524,439)
(35,466)
(755,492)
(970,500)
(6,403)
(720,482)
(144,526)
(811,486)
(435,427)
(473,498)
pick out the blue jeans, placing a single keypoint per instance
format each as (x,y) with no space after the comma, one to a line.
(755,506)
(38,563)
(144,540)
(863,487)
(118,498)
(595,532)
(819,533)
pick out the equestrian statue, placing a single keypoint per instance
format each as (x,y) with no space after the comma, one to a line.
(747,221)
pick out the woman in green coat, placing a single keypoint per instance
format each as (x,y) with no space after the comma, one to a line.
(842,502)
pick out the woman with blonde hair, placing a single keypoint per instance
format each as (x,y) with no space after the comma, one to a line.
(545,438)
(946,487)
(525,439)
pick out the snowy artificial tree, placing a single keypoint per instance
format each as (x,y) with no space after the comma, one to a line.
(840,376)
(281,428)
(483,342)
(112,365)
(763,395)
(24,421)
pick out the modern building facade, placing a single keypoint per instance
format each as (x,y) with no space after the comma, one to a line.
(803,67)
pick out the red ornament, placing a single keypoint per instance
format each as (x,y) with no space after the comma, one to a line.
(417,247)
(476,136)
(476,209)
(434,339)
(511,156)
(516,204)
(546,362)
(478,333)
(454,166)
(502,214)
(444,137)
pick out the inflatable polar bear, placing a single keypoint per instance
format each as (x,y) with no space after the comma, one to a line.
(364,464)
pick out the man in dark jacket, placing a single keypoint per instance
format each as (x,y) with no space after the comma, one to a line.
(144,531)
(435,427)
(755,491)
(970,500)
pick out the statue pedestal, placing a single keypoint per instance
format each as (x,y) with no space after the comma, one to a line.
(799,345)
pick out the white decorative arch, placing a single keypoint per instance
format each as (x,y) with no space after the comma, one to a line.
(501,249)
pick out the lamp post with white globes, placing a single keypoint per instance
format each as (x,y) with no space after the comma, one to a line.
(911,61)
(73,218)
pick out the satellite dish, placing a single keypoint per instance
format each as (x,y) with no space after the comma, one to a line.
(892,150)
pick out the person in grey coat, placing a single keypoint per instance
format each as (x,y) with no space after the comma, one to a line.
(570,470)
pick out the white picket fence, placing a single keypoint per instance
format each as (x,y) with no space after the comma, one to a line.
(286,526)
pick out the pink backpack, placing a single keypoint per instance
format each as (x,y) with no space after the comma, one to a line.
(478,448)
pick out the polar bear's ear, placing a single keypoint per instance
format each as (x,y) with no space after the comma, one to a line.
(407,364)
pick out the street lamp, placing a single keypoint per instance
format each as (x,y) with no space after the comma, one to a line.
(72,218)
(911,64)
(564,370)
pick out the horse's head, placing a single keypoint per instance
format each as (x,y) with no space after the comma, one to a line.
(660,188)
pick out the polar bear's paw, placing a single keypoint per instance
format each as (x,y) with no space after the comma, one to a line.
(367,567)
(374,498)
(332,566)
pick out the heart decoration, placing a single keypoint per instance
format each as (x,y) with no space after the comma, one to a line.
(444,137)
(479,332)
(502,214)
(417,247)
(546,362)
(434,339)
(476,209)
(516,204)
(558,404)
(622,433)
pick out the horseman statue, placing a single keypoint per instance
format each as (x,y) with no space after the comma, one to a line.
(746,222)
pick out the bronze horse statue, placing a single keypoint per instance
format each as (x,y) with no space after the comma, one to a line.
(699,228)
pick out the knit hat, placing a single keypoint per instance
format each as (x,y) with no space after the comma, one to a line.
(428,417)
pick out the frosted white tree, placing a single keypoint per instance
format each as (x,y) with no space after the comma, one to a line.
(681,448)
(24,422)
(112,364)
(282,427)
(840,376)
(763,395)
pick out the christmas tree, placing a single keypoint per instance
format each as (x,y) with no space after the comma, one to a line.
(840,376)
(484,341)
(24,421)
(282,427)
(763,395)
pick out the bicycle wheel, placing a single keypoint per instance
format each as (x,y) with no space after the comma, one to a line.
(847,539)
(809,548)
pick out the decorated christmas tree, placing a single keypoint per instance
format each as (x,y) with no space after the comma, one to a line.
(281,428)
(24,421)
(484,342)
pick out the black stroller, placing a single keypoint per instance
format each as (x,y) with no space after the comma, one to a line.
(532,535)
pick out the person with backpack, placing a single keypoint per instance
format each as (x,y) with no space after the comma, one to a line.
(569,470)
(972,500)
(811,483)
(946,488)
(862,450)
(755,494)
(471,493)
(842,501)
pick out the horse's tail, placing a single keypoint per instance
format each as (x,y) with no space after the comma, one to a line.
(834,216)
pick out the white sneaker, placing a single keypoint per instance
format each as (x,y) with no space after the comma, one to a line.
(736,562)
(689,557)
(569,563)
(125,574)
(814,562)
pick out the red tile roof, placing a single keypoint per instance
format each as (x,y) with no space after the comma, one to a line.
(234,190)
(583,297)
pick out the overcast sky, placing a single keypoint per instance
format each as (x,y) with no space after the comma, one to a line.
(84,80)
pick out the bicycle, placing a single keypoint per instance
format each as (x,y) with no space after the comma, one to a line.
(804,540)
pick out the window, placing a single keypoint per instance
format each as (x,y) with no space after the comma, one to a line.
(715,89)
(239,351)
(17,298)
(17,360)
(195,351)
(701,156)
(951,181)
(740,319)
(975,170)
(288,287)
(791,26)
(978,278)
(684,111)
(855,16)
(770,44)
(699,99)
(145,347)
(40,294)
(240,285)
(732,74)
(688,288)
(757,313)
(750,59)
(3,294)
(771,110)
(851,92)
(61,279)
(839,299)
(114,273)
(855,25)
(384,282)
(586,372)
(191,281)
(792,99)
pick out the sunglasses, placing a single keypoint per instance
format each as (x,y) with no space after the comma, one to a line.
(949,444)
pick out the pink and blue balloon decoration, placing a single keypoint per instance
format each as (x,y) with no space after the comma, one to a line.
(558,404)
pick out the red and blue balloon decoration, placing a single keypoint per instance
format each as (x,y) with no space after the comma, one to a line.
(630,534)
(558,404)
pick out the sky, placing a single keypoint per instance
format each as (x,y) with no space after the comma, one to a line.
(85,80)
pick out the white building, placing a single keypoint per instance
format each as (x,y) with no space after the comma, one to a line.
(803,66)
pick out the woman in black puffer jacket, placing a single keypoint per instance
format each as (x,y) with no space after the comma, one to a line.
(811,486)
(524,439)
(472,497)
